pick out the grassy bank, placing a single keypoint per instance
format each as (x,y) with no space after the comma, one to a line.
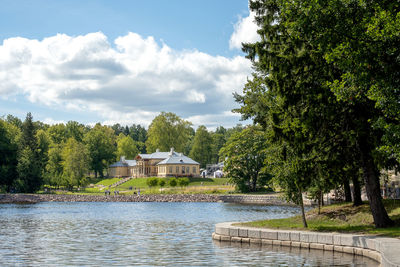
(195,186)
(339,218)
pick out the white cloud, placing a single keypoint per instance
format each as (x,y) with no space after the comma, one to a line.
(129,82)
(245,31)
(51,121)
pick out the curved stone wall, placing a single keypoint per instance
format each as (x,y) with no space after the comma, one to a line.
(384,250)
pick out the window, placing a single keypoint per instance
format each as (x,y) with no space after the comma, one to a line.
(170,169)
(194,169)
(188,169)
(183,169)
(177,169)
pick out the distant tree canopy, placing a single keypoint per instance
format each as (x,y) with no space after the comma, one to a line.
(202,146)
(67,155)
(126,147)
(100,142)
(166,131)
(245,154)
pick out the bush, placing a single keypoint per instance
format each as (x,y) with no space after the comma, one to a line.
(173,182)
(161,182)
(183,182)
(152,182)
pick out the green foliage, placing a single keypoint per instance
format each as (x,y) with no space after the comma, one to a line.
(54,167)
(167,130)
(161,183)
(245,155)
(100,142)
(152,182)
(184,181)
(75,163)
(202,147)
(30,163)
(173,182)
(126,147)
(8,159)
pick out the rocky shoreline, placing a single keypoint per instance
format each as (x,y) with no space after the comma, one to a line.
(270,199)
(36,198)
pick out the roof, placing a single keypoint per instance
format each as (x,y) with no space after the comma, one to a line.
(125,163)
(178,159)
(157,155)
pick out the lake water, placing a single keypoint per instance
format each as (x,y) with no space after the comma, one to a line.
(143,234)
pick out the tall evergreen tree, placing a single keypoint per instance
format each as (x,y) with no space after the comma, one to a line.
(29,162)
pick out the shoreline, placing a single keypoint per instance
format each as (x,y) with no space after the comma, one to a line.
(239,199)
(381,249)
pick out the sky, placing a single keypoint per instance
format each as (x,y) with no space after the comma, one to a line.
(124,61)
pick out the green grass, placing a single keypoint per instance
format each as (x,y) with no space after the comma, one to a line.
(107,182)
(339,218)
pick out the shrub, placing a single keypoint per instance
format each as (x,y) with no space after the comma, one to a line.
(173,182)
(161,182)
(151,182)
(183,182)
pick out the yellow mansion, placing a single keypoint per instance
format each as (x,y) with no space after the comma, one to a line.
(161,164)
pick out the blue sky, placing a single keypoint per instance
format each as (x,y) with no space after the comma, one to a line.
(123,60)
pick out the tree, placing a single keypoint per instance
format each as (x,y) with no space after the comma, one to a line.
(100,143)
(54,167)
(167,130)
(29,163)
(219,140)
(8,159)
(138,133)
(75,163)
(43,141)
(126,147)
(245,153)
(296,74)
(202,146)
(57,133)
(74,129)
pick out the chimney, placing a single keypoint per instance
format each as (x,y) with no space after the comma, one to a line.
(171,152)
(122,158)
(157,150)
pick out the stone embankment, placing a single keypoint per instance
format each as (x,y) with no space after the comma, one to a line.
(35,198)
(271,199)
(383,250)
(242,199)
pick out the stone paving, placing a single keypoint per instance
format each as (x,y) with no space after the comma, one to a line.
(382,249)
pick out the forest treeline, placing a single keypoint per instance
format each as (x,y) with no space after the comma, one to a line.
(34,154)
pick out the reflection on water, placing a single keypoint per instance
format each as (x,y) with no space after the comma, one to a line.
(142,234)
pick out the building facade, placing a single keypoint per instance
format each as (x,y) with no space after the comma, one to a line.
(161,164)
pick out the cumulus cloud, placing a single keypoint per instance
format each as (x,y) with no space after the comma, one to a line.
(128,81)
(245,31)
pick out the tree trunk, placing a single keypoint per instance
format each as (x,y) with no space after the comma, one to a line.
(372,186)
(356,191)
(303,215)
(347,190)
(319,201)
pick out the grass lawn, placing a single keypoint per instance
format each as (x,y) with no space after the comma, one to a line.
(196,186)
(107,182)
(339,218)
